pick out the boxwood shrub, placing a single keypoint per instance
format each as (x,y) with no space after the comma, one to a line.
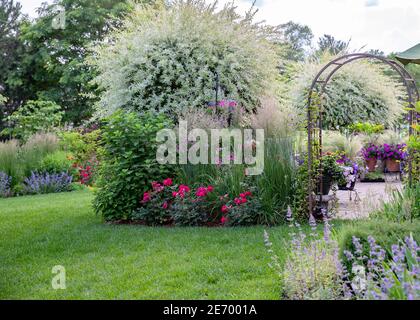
(129,162)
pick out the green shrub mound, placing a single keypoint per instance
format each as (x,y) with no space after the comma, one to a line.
(129,163)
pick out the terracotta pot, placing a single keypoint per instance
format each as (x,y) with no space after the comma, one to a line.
(371,164)
(392,165)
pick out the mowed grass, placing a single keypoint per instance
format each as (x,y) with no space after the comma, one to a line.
(105,261)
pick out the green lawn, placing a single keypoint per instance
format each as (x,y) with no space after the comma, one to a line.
(125,262)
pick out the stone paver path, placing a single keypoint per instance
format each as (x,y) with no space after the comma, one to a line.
(372,196)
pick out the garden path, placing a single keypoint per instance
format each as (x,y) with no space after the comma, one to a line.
(372,196)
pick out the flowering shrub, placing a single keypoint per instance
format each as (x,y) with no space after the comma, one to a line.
(155,204)
(47,183)
(193,208)
(244,210)
(393,152)
(169,204)
(87,172)
(5,185)
(371,152)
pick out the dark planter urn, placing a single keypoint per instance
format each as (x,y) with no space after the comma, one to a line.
(325,185)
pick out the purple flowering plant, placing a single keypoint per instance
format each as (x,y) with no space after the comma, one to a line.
(45,182)
(393,152)
(371,152)
(5,185)
(375,277)
(314,270)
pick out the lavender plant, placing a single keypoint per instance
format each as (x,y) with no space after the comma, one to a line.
(38,183)
(313,269)
(5,185)
(375,277)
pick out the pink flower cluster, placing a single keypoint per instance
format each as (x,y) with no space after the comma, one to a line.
(203,191)
(243,198)
(157,188)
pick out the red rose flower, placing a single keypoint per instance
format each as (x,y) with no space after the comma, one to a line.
(167,182)
(223,220)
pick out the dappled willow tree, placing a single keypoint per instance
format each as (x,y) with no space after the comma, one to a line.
(359,92)
(167,58)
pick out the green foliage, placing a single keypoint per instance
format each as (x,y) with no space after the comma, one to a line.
(247,214)
(10,48)
(33,117)
(275,185)
(403,205)
(386,233)
(56,162)
(366,127)
(166,59)
(129,162)
(82,146)
(9,158)
(296,38)
(18,161)
(52,64)
(359,92)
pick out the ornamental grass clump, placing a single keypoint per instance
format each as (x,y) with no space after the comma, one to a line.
(38,183)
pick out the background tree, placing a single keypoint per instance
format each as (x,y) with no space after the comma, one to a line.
(328,43)
(10,46)
(53,64)
(296,39)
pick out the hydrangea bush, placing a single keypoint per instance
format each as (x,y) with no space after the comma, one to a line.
(166,58)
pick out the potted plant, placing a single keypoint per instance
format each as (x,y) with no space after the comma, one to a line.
(350,170)
(370,154)
(393,155)
(331,172)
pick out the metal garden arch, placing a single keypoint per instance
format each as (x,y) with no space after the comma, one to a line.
(315,124)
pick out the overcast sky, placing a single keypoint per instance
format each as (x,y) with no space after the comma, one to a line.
(387,25)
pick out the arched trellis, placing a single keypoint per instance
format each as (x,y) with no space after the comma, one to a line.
(318,87)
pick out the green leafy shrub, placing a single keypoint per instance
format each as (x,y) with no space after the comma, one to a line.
(34,116)
(56,162)
(83,147)
(129,162)
(166,58)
